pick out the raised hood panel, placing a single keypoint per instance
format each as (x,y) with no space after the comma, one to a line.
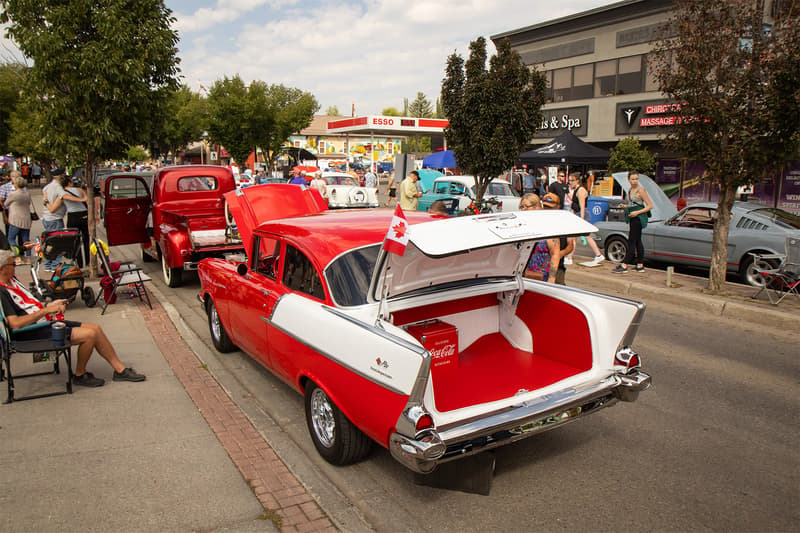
(464,248)
(252,206)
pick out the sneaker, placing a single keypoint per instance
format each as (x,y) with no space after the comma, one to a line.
(567,260)
(619,269)
(87,379)
(598,259)
(639,268)
(128,374)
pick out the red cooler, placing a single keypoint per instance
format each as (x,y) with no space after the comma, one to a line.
(440,339)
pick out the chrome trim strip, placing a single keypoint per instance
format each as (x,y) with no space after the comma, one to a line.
(377,331)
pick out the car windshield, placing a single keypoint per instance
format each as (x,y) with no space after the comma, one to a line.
(782,218)
(349,275)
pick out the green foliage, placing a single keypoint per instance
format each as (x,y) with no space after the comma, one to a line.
(186,117)
(332,111)
(493,113)
(137,153)
(420,107)
(628,154)
(739,95)
(243,117)
(391,112)
(12,79)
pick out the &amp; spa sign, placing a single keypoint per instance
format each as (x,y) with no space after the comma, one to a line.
(645,117)
(557,121)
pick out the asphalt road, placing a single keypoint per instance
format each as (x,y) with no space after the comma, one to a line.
(711,446)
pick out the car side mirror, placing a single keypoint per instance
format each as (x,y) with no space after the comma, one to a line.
(241,269)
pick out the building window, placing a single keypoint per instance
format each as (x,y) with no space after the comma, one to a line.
(605,78)
(630,79)
(548,91)
(562,84)
(582,82)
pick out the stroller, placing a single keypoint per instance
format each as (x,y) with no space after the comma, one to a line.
(67,280)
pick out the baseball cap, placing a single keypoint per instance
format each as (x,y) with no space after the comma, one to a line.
(550,200)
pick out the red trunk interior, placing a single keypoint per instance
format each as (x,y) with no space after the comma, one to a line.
(491,369)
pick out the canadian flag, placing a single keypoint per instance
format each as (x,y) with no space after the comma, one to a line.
(397,236)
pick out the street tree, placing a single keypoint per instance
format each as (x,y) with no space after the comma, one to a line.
(293,109)
(101,71)
(493,113)
(391,112)
(629,154)
(735,84)
(332,111)
(12,78)
(420,107)
(186,117)
(236,112)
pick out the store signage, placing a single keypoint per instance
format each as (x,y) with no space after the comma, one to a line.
(645,117)
(555,121)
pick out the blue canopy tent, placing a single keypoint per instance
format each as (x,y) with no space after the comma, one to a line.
(443,159)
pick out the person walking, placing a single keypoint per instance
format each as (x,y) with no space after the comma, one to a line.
(579,196)
(36,173)
(409,193)
(18,206)
(78,217)
(370,179)
(636,211)
(529,183)
(319,183)
(391,190)
(559,187)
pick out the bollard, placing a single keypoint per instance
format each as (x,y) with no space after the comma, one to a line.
(670,271)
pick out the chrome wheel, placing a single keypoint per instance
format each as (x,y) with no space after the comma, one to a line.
(616,248)
(216,327)
(322,419)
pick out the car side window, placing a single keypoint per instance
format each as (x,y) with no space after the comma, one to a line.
(267,257)
(440,188)
(300,275)
(700,217)
(126,188)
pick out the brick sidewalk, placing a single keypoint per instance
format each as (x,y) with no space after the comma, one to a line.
(286,502)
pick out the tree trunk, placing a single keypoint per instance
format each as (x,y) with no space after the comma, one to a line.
(90,177)
(719,246)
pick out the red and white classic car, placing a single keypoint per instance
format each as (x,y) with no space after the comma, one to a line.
(440,353)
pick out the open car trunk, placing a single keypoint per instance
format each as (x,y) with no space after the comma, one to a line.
(494,358)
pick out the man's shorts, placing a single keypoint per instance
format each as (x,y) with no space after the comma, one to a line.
(39,334)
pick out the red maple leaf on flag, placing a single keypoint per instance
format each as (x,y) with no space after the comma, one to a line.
(399,230)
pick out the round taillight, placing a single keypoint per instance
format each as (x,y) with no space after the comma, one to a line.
(424,422)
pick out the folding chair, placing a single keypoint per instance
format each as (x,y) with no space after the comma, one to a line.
(784,280)
(127,275)
(10,348)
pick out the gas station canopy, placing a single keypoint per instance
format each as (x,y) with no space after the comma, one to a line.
(378,124)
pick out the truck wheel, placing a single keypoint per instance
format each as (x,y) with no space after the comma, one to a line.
(219,336)
(172,276)
(337,440)
(616,249)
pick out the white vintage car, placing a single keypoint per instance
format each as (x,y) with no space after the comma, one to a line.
(343,191)
(440,353)
(464,189)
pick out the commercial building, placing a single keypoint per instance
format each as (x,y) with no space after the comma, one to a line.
(600,88)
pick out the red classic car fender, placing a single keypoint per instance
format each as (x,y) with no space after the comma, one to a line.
(172,240)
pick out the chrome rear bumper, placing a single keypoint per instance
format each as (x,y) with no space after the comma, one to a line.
(430,448)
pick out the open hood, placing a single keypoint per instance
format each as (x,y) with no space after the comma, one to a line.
(464,248)
(662,205)
(252,206)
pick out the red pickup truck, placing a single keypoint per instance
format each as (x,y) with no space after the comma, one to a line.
(179,219)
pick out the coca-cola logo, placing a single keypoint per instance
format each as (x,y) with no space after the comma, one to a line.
(445,351)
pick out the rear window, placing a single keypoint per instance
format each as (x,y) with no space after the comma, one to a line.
(197,183)
(127,187)
(782,218)
(350,275)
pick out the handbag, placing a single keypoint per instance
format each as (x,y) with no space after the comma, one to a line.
(34,214)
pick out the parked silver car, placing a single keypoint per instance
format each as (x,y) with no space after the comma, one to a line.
(684,237)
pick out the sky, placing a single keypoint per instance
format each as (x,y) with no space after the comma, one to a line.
(366,54)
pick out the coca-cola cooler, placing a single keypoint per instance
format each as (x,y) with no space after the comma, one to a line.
(440,339)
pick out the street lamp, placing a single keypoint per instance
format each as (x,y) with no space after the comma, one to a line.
(204,136)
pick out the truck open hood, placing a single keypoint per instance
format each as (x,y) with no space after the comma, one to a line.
(252,206)
(465,248)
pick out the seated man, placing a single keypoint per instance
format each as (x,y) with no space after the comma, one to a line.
(22,309)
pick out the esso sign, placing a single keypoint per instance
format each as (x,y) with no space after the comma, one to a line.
(382,121)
